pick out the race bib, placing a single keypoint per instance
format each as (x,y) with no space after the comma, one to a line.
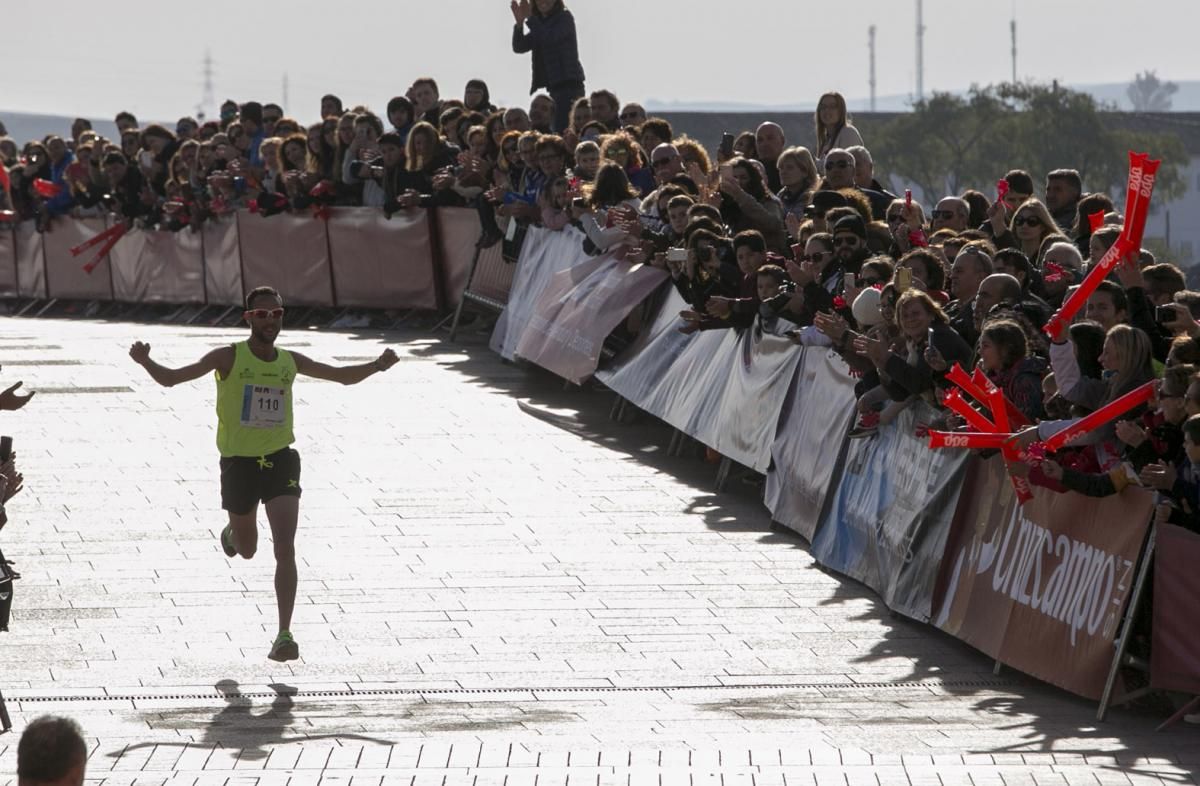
(263,407)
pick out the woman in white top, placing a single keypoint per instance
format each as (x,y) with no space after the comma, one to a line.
(833,126)
(611,217)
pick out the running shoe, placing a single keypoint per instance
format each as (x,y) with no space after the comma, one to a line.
(285,648)
(227,541)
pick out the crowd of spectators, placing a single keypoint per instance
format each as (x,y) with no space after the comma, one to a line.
(755,232)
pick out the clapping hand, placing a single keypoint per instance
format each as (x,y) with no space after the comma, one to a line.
(1159,475)
(873,349)
(718,306)
(802,274)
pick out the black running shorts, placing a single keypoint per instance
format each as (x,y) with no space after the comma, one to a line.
(247,481)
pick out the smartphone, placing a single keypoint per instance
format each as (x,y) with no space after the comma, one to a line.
(903,279)
(908,197)
(677,255)
(726,148)
(1001,189)
(1166,314)
(5,449)
(848,281)
(146,158)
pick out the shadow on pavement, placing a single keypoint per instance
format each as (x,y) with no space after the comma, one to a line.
(1044,719)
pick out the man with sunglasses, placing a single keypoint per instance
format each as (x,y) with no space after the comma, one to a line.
(951,213)
(839,170)
(254,436)
(632,115)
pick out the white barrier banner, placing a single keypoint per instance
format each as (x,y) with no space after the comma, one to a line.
(810,441)
(543,254)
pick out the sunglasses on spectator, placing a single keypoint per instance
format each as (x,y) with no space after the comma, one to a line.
(661,162)
(896,218)
(630,115)
(1029,221)
(840,163)
(263,313)
(812,257)
(845,240)
(942,213)
(618,151)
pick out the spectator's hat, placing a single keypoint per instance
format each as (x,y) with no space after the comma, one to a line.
(851,224)
(866,308)
(823,201)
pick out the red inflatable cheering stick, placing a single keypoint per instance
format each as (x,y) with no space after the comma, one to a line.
(106,240)
(954,401)
(45,189)
(1142,173)
(974,440)
(1109,412)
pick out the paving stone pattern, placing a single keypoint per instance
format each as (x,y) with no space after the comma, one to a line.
(490,594)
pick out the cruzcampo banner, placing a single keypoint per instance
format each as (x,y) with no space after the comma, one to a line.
(1041,587)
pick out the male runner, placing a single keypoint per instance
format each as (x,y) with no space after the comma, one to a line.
(254,431)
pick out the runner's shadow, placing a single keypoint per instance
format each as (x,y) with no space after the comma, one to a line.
(238,726)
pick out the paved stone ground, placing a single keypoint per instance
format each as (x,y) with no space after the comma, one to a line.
(488,595)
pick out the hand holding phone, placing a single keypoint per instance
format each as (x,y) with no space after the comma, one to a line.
(725,151)
(1171,314)
(903,279)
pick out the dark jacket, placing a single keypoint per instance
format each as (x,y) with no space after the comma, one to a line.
(906,380)
(1022,385)
(555,49)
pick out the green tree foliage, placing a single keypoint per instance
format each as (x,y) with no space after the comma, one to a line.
(1148,93)
(950,143)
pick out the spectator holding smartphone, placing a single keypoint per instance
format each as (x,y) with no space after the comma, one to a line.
(547,29)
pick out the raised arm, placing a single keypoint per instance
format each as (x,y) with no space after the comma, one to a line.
(346,375)
(220,360)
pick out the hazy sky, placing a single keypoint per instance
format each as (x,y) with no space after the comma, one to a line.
(89,59)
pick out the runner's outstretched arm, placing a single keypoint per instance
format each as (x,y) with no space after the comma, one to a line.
(346,375)
(220,359)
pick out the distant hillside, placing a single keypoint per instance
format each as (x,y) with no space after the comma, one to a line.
(24,127)
(1187,99)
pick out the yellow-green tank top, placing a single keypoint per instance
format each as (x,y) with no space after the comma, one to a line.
(254,404)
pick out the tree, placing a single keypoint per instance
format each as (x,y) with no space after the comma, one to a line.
(945,142)
(1148,93)
(949,143)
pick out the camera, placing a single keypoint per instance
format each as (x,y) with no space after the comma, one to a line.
(677,255)
(1166,314)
